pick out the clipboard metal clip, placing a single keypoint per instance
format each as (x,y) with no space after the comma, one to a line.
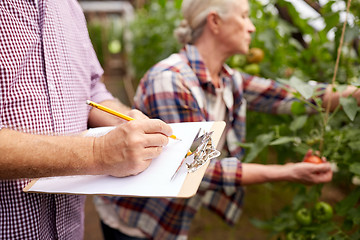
(203,153)
(202,150)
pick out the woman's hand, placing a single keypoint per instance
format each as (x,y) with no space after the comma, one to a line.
(309,173)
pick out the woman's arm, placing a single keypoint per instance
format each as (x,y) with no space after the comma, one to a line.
(306,173)
(266,95)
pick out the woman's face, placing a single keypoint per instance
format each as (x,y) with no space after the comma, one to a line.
(236,29)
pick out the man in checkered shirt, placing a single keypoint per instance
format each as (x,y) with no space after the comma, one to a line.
(48,69)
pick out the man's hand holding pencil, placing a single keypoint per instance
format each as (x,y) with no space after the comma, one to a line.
(130,147)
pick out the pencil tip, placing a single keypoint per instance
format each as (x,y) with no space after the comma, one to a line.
(87,102)
(175,138)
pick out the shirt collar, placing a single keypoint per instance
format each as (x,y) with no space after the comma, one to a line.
(198,66)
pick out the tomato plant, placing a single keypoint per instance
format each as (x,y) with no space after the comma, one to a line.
(322,211)
(252,69)
(303,216)
(149,47)
(294,236)
(335,134)
(255,55)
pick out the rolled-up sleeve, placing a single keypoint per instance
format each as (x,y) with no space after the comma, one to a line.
(99,93)
(269,96)
(266,95)
(224,174)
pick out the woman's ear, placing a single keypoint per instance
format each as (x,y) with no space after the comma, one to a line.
(214,22)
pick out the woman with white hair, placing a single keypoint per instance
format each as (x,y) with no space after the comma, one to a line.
(196,85)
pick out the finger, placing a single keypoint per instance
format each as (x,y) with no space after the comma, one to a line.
(324,178)
(155,140)
(151,153)
(308,154)
(323,167)
(158,126)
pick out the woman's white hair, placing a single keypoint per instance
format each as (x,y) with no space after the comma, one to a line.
(195,13)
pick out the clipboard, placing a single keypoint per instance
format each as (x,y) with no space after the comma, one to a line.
(184,185)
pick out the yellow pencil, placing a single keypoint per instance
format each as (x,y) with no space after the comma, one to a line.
(115,113)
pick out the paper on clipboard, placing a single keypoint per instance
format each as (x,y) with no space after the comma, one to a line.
(155,181)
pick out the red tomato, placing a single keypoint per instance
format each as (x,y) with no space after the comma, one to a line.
(313,159)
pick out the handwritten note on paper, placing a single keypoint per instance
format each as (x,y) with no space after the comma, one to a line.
(155,181)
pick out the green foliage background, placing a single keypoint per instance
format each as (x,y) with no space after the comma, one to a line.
(152,34)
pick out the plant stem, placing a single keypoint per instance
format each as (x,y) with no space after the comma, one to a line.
(326,117)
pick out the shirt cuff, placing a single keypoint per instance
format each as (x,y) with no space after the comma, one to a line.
(232,174)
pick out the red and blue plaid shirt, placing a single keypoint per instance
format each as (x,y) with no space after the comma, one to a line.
(179,89)
(48,69)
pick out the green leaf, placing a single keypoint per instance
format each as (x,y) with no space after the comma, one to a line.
(268,36)
(298,108)
(345,205)
(356,82)
(260,224)
(356,236)
(300,198)
(348,224)
(261,142)
(302,148)
(354,145)
(245,145)
(302,87)
(178,4)
(350,106)
(341,88)
(162,3)
(298,123)
(283,140)
(331,20)
(284,82)
(354,214)
(351,33)
(355,168)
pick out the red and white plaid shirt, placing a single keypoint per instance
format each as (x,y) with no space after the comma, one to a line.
(48,69)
